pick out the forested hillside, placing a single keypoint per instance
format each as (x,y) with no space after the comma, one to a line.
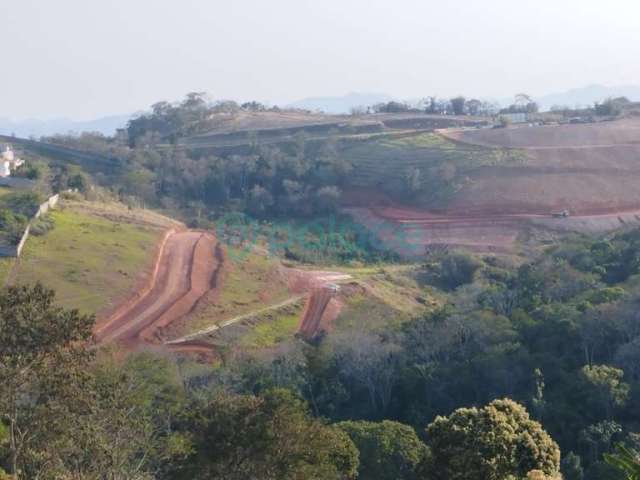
(521,363)
(558,335)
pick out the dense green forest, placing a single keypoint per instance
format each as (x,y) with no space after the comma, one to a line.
(559,335)
(71,412)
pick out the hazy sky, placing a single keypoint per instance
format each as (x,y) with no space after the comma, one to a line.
(88,58)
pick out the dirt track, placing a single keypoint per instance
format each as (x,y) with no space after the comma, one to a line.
(187,268)
(314,287)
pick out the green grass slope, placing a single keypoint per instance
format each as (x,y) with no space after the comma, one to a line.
(94,255)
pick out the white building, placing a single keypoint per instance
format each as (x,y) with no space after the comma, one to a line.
(515,118)
(9,162)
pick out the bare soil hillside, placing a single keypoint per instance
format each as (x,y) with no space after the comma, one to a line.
(591,171)
(618,132)
(587,169)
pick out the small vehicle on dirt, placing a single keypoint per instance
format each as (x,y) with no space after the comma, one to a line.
(561,214)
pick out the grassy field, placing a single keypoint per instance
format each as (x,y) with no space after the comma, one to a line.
(250,282)
(363,313)
(273,328)
(5,190)
(93,255)
(6,264)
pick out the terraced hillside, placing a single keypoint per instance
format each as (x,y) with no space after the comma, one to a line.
(421,168)
(484,188)
(228,131)
(587,169)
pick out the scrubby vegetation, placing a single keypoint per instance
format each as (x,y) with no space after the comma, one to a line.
(301,176)
(16,209)
(74,403)
(334,239)
(557,334)
(553,339)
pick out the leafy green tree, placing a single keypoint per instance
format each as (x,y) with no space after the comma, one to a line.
(611,106)
(388,450)
(33,170)
(458,269)
(571,467)
(260,200)
(489,443)
(457,104)
(41,356)
(610,390)
(22,203)
(413,180)
(327,199)
(598,438)
(78,181)
(267,437)
(128,429)
(474,106)
(626,461)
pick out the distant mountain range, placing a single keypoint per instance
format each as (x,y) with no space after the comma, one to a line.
(586,96)
(38,128)
(581,97)
(343,104)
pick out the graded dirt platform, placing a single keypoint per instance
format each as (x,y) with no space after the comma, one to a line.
(587,169)
(187,268)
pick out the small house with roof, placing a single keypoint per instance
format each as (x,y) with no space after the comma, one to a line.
(9,162)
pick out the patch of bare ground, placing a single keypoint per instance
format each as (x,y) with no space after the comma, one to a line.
(592,171)
(186,269)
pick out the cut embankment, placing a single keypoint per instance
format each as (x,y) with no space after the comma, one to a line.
(412,232)
(590,171)
(321,309)
(587,169)
(184,272)
(308,290)
(206,263)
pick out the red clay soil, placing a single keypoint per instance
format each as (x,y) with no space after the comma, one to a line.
(185,271)
(319,313)
(593,171)
(619,132)
(322,306)
(588,169)
(313,312)
(411,232)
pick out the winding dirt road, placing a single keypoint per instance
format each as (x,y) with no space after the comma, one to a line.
(187,268)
